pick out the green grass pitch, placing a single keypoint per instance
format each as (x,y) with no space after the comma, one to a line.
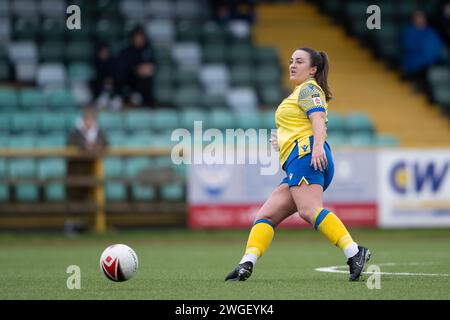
(182,264)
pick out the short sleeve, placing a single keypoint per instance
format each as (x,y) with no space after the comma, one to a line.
(311,99)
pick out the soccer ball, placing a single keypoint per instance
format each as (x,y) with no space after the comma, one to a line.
(118,262)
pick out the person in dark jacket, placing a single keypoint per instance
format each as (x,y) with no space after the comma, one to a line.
(135,70)
(87,135)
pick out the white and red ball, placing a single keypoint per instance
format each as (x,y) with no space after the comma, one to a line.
(118,262)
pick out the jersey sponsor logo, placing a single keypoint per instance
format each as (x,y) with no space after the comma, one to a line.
(290,176)
(311,87)
(317,101)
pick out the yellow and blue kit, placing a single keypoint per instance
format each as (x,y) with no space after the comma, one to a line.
(295,136)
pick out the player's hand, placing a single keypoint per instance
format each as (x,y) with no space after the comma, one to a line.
(274,141)
(319,158)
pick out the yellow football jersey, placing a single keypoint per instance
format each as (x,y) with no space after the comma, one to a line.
(292,116)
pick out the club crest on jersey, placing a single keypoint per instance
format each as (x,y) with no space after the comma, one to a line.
(317,101)
(305,147)
(311,87)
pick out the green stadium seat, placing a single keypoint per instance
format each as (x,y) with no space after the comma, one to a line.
(61,99)
(162,55)
(4,193)
(140,139)
(184,77)
(117,138)
(3,168)
(221,119)
(271,95)
(268,75)
(80,72)
(23,141)
(164,75)
(163,94)
(268,119)
(162,140)
(211,100)
(187,97)
(439,76)
(113,167)
(133,169)
(51,51)
(26,192)
(337,139)
(4,141)
(52,140)
(165,119)
(172,192)
(215,53)
(8,99)
(360,139)
(115,191)
(24,122)
(442,96)
(25,28)
(53,29)
(53,167)
(188,31)
(242,76)
(240,53)
(188,117)
(248,120)
(4,71)
(359,123)
(266,55)
(355,9)
(109,29)
(81,51)
(21,168)
(213,31)
(32,99)
(4,123)
(53,121)
(55,192)
(143,193)
(111,120)
(138,120)
(335,124)
(386,140)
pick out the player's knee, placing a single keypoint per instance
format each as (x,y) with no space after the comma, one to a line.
(307,212)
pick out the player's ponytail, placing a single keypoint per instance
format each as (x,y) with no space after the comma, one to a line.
(320,60)
(322,75)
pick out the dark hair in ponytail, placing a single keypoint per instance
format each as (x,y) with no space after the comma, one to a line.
(320,60)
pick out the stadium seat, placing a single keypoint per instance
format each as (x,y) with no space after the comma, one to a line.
(271,95)
(242,100)
(188,31)
(55,192)
(165,119)
(25,28)
(161,31)
(8,99)
(133,9)
(360,139)
(172,192)
(4,192)
(163,94)
(337,139)
(111,120)
(4,123)
(268,75)
(442,96)
(5,9)
(189,9)
(109,30)
(215,78)
(26,71)
(187,118)
(32,99)
(336,123)
(5,30)
(51,168)
(142,192)
(80,51)
(187,55)
(24,168)
(23,51)
(359,123)
(138,120)
(242,75)
(240,53)
(113,167)
(386,140)
(164,75)
(248,120)
(53,28)
(212,31)
(22,141)
(51,75)
(221,119)
(53,140)
(133,168)
(61,100)
(214,53)
(186,77)
(51,51)
(187,97)
(24,8)
(80,72)
(268,119)
(160,9)
(439,76)
(53,122)
(213,100)
(266,55)
(140,139)
(24,122)
(117,138)
(115,191)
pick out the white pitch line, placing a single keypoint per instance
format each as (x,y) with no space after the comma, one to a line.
(333,269)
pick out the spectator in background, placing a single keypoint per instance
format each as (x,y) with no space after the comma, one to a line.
(135,70)
(103,84)
(421,48)
(87,135)
(442,21)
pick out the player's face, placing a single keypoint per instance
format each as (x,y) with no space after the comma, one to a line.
(299,67)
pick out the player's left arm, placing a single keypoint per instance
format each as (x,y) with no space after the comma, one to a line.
(319,128)
(313,103)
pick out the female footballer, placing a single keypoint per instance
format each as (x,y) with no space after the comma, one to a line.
(306,158)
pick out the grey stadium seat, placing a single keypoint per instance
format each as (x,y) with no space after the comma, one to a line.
(133,9)
(51,75)
(160,31)
(160,9)
(215,78)
(53,8)
(242,99)
(24,8)
(187,55)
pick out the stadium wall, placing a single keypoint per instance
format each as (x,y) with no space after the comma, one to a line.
(371,188)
